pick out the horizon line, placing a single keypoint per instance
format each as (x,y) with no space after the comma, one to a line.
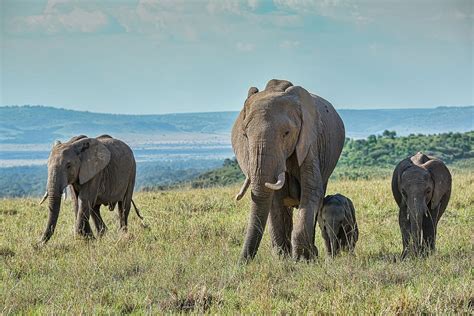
(225,111)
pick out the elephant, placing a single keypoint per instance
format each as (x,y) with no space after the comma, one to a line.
(338,224)
(287,143)
(97,171)
(421,186)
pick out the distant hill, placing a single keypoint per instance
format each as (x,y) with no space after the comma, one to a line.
(42,124)
(373,157)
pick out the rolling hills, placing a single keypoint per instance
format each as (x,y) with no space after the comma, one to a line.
(41,124)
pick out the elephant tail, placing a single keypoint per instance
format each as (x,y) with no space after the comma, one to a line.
(137,211)
(144,225)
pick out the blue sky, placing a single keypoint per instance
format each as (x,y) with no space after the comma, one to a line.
(163,56)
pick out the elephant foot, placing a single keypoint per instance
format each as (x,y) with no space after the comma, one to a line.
(85,235)
(304,253)
(39,244)
(101,232)
(283,250)
(244,260)
(404,254)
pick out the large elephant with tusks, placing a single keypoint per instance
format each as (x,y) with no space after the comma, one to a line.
(287,143)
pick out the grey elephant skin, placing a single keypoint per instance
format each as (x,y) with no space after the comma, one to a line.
(287,143)
(421,186)
(99,171)
(338,224)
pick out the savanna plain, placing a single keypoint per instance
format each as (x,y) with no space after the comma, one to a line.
(186,260)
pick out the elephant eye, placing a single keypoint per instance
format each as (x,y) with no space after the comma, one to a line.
(286,133)
(245,135)
(68,165)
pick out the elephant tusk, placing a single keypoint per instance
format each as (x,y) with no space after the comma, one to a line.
(44,198)
(279,184)
(243,189)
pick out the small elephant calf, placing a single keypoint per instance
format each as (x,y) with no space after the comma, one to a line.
(338,224)
(100,171)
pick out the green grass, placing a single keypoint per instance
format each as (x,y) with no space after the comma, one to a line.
(187,260)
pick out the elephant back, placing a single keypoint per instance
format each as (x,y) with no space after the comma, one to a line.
(332,135)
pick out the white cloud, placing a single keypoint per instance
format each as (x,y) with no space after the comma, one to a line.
(193,20)
(60,16)
(287,44)
(245,47)
(238,7)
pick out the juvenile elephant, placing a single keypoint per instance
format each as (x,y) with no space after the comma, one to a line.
(421,186)
(338,224)
(99,171)
(287,142)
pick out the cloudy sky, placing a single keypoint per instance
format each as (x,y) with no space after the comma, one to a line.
(163,56)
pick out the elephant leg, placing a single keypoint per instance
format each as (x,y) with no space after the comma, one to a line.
(98,222)
(350,238)
(429,226)
(312,193)
(124,210)
(404,229)
(328,245)
(281,225)
(352,241)
(344,239)
(83,228)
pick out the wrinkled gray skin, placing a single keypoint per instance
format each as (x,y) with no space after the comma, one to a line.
(285,135)
(421,186)
(99,171)
(338,224)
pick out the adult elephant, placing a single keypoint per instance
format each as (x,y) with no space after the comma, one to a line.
(421,186)
(99,171)
(287,142)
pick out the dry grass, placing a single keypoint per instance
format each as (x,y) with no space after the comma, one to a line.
(187,260)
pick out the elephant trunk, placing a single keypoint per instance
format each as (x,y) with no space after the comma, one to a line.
(54,204)
(263,168)
(260,207)
(416,212)
(53,194)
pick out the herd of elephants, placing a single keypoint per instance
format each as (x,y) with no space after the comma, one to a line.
(287,142)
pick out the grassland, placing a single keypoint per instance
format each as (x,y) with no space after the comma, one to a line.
(187,260)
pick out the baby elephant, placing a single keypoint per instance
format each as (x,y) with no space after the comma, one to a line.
(421,186)
(338,224)
(99,171)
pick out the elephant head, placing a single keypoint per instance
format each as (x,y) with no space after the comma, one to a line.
(273,125)
(74,162)
(421,187)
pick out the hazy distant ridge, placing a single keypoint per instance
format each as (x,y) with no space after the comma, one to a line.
(41,124)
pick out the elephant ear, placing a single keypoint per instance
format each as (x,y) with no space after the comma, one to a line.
(240,143)
(397,176)
(252,91)
(309,122)
(94,157)
(441,180)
